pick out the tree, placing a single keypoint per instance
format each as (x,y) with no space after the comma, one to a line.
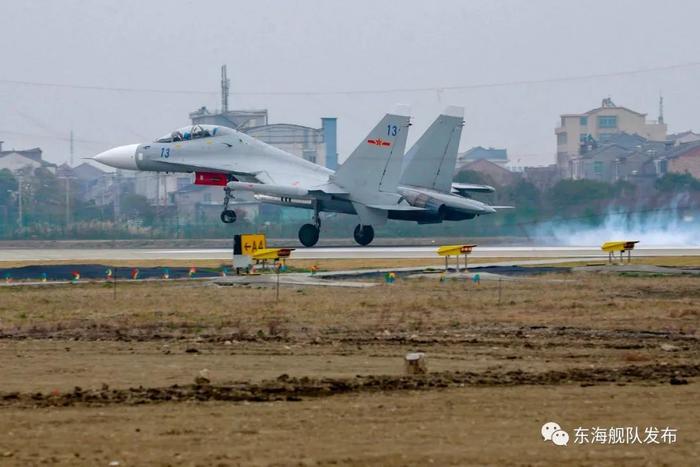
(137,206)
(674,182)
(577,193)
(8,205)
(523,194)
(8,186)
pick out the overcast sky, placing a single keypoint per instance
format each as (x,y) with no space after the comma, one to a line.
(329,46)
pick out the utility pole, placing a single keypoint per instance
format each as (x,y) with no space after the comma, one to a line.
(20,182)
(67,201)
(117,192)
(225,83)
(72,149)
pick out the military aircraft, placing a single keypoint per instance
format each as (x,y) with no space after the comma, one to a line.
(370,183)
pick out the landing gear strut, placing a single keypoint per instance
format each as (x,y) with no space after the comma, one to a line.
(228,216)
(364,234)
(309,233)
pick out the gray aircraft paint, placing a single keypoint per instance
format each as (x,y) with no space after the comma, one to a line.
(430,163)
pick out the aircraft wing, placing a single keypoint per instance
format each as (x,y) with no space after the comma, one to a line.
(287,190)
(329,189)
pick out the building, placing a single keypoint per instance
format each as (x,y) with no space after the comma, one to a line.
(683,137)
(158,187)
(684,158)
(238,119)
(500,175)
(497,156)
(623,157)
(580,132)
(23,160)
(89,183)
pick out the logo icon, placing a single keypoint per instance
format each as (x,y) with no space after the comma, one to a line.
(551,431)
(378,142)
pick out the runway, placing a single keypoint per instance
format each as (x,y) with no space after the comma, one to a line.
(107,254)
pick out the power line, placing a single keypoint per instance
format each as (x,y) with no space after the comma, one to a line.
(360,91)
(56,137)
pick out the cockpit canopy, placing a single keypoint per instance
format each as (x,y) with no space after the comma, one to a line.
(195,132)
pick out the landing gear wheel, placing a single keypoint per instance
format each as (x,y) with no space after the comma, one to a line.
(228,216)
(364,234)
(308,235)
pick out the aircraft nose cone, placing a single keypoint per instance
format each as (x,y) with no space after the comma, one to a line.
(121,157)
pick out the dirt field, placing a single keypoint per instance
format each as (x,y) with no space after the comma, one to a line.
(195,374)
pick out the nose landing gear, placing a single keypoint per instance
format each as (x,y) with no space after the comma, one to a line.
(228,216)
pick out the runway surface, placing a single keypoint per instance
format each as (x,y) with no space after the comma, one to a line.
(330,253)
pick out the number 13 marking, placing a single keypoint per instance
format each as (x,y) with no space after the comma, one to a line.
(391,130)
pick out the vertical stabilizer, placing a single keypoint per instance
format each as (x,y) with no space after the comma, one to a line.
(375,165)
(430,163)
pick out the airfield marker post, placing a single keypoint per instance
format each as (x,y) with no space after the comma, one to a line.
(277,286)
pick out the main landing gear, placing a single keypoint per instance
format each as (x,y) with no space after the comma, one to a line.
(364,234)
(228,216)
(309,233)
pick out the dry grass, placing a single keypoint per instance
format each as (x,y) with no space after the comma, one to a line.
(409,305)
(325,264)
(141,263)
(671,261)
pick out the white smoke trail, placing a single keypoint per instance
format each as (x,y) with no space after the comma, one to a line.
(673,225)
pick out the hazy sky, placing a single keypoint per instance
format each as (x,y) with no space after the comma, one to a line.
(328,46)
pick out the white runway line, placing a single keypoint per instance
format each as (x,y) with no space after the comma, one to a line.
(424,252)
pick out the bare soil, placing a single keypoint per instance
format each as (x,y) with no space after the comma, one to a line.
(194,374)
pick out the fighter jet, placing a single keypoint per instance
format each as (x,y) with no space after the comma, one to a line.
(366,184)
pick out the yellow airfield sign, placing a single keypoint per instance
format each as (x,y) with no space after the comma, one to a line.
(250,243)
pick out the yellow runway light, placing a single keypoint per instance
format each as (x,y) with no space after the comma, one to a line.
(619,245)
(456,251)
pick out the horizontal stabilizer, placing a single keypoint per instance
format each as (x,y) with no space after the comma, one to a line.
(473,188)
(395,207)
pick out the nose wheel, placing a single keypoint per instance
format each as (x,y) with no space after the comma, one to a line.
(228,216)
(364,234)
